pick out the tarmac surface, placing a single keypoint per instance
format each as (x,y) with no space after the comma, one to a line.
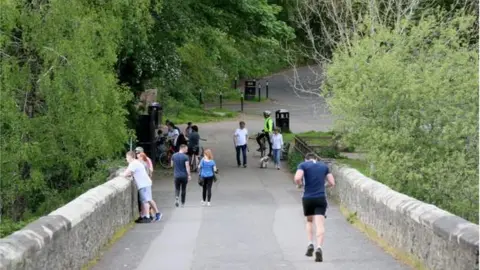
(256,219)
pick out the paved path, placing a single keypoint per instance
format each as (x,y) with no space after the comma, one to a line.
(304,108)
(255,222)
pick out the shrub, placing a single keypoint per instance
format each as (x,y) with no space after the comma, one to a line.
(409,96)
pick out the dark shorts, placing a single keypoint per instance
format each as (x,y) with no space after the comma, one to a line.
(314,206)
(193,150)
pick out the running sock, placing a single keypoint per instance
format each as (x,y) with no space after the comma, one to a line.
(310,243)
(147,216)
(320,247)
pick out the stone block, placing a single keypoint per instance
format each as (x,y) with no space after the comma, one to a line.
(72,235)
(440,240)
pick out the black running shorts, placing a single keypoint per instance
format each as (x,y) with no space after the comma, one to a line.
(193,150)
(314,206)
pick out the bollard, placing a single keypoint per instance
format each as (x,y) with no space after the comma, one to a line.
(235,84)
(221,100)
(266,89)
(259,92)
(201,97)
(241,103)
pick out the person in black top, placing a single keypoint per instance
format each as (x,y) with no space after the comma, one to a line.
(194,143)
(180,140)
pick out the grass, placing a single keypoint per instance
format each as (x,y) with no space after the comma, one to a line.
(199,115)
(358,164)
(318,138)
(398,254)
(8,226)
(234,96)
(116,236)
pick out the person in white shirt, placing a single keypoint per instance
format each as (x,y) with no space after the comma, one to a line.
(240,138)
(172,135)
(144,185)
(277,145)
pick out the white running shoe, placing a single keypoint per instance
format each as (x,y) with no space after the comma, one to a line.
(208,204)
(203,203)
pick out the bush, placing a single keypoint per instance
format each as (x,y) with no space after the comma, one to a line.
(294,158)
(409,96)
(62,109)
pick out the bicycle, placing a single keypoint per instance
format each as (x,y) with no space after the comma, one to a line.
(263,142)
(193,160)
(165,159)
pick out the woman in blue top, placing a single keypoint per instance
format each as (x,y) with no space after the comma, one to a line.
(207,169)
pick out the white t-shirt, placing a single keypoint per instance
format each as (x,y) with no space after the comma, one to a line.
(173,134)
(277,141)
(140,174)
(241,136)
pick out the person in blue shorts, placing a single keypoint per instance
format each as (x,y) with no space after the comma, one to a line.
(312,174)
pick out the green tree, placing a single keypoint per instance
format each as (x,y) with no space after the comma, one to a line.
(61,106)
(409,95)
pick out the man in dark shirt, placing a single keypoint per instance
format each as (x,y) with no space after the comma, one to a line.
(181,173)
(313,174)
(194,143)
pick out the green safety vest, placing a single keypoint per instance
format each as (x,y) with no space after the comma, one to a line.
(268,126)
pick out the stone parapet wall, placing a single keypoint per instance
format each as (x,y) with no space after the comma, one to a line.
(439,239)
(73,235)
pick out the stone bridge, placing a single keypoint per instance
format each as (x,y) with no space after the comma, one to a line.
(255,221)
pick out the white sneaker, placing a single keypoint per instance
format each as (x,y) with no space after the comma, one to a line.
(208,204)
(203,203)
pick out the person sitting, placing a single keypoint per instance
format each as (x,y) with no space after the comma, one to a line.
(172,135)
(160,141)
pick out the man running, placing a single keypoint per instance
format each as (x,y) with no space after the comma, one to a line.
(181,173)
(314,201)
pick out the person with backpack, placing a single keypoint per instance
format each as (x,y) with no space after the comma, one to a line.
(207,169)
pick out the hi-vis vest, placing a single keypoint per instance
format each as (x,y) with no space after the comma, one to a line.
(268,126)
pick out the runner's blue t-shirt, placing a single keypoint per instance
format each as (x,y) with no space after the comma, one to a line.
(207,168)
(314,174)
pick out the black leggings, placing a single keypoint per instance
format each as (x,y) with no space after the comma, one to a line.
(267,136)
(181,184)
(207,188)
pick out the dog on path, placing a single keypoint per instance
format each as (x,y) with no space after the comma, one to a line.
(264,162)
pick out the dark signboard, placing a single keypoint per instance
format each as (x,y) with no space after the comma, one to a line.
(250,89)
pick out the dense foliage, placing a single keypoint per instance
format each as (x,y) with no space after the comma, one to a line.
(408,94)
(70,72)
